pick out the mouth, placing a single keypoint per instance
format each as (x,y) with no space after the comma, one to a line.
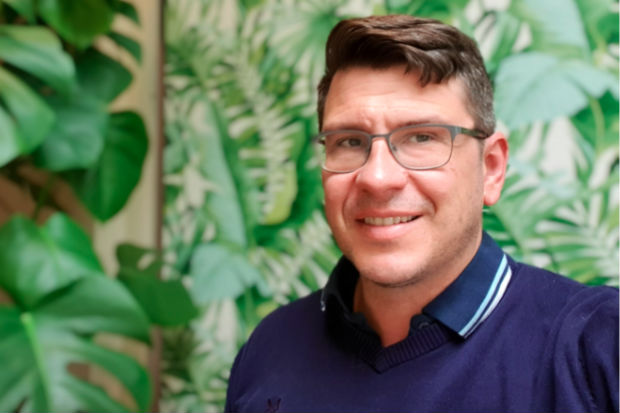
(386,221)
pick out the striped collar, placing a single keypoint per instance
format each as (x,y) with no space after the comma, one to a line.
(461,307)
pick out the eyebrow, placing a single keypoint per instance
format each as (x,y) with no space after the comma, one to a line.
(393,126)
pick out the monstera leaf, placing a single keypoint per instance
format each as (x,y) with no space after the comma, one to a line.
(60,301)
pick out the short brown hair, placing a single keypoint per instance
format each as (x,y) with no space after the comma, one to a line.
(436,50)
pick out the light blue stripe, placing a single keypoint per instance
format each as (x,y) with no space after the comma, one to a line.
(490,293)
(501,290)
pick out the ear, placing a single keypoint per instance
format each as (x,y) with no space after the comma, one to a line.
(495,159)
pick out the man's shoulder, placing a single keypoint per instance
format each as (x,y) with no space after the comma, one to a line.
(567,301)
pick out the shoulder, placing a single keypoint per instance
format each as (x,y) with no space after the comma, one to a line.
(553,292)
(286,328)
(275,344)
(581,324)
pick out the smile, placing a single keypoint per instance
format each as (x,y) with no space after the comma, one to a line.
(378,221)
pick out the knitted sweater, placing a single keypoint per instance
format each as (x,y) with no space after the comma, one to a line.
(500,339)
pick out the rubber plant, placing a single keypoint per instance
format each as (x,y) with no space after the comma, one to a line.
(55,91)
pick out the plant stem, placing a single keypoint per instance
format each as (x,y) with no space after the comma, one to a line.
(43,196)
(599,122)
(29,325)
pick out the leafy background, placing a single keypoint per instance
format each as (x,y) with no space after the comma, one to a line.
(244,228)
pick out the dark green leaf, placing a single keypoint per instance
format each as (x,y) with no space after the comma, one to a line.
(128,44)
(77,138)
(78,22)
(101,76)
(38,51)
(24,7)
(167,303)
(106,187)
(218,272)
(145,261)
(34,261)
(127,9)
(29,117)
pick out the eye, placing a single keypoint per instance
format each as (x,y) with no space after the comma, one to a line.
(420,138)
(350,142)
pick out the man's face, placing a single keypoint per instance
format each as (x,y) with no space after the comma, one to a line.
(396,225)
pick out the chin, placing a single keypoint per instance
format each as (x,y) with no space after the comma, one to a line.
(388,272)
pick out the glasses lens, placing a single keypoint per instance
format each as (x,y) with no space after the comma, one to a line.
(344,151)
(422,147)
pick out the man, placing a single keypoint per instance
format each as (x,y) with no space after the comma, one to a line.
(424,312)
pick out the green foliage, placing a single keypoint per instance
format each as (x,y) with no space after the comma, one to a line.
(55,92)
(243,220)
(58,291)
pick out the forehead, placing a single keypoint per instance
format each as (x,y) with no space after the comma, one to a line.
(375,99)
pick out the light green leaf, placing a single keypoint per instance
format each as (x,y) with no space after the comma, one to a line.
(78,22)
(31,116)
(35,261)
(219,272)
(38,51)
(10,140)
(539,87)
(106,187)
(77,138)
(223,202)
(554,24)
(79,310)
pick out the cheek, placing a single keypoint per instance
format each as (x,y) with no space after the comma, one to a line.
(333,188)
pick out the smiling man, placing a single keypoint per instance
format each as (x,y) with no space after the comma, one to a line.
(424,312)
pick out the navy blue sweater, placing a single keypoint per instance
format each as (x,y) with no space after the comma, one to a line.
(540,343)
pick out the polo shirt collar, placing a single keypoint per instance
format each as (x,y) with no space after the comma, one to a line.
(461,307)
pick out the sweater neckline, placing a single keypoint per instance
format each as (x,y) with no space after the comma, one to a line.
(453,314)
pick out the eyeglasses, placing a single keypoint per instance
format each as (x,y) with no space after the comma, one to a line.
(416,147)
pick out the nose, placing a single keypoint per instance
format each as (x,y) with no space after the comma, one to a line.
(381,172)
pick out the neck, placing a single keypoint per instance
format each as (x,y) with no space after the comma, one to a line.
(389,310)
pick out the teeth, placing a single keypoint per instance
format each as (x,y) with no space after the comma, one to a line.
(386,221)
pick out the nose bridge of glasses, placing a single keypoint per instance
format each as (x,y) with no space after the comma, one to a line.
(375,139)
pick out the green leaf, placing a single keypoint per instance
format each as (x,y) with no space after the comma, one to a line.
(218,166)
(555,25)
(539,87)
(77,138)
(121,314)
(128,44)
(34,261)
(507,27)
(78,22)
(26,8)
(38,51)
(100,76)
(106,187)
(219,272)
(167,303)
(30,117)
(37,348)
(10,142)
(127,9)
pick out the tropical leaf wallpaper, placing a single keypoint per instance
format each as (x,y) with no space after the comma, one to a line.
(244,228)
